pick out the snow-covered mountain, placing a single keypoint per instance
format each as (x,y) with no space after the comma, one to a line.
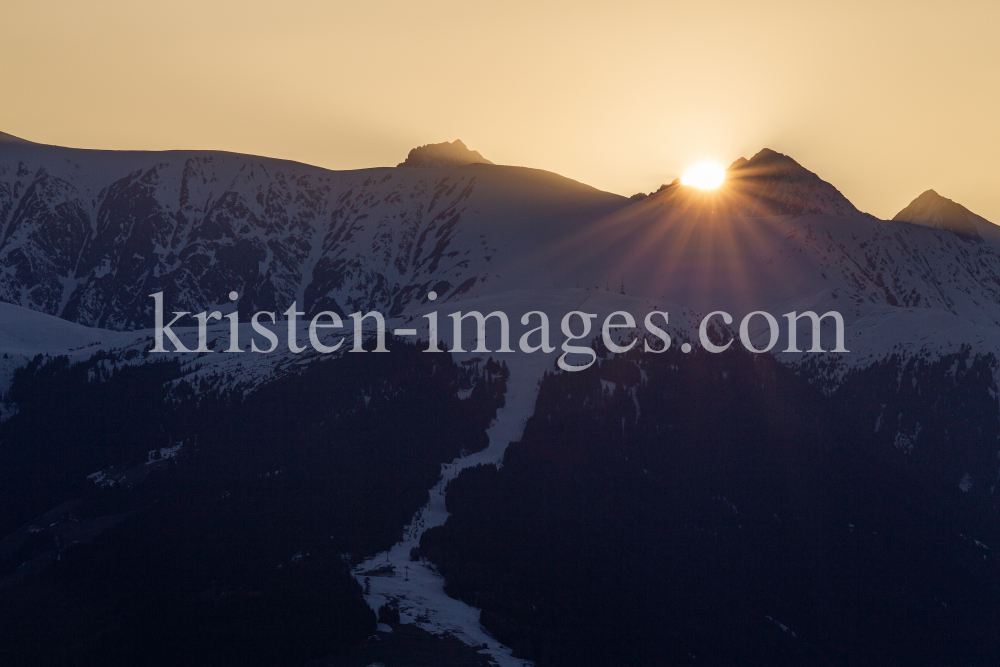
(932,210)
(88,235)
(774,235)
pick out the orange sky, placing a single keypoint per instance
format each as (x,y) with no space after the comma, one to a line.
(884,99)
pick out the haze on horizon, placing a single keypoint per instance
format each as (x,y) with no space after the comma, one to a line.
(885,100)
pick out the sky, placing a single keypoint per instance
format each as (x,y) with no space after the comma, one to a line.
(883,99)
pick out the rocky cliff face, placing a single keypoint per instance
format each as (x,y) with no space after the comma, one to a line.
(454,154)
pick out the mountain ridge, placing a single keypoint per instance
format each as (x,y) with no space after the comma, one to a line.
(88,235)
(453,154)
(768,184)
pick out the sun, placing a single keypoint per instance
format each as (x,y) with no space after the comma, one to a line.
(704,175)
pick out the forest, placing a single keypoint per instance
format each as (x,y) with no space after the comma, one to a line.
(722,511)
(234,548)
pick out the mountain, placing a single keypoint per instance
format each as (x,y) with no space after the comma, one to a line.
(771,183)
(88,235)
(776,237)
(932,210)
(824,508)
(768,184)
(454,154)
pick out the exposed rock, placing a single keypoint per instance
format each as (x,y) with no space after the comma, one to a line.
(453,154)
(642,195)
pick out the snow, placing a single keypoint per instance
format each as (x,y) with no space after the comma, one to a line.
(423,594)
(164,454)
(966,484)
(781,626)
(27,332)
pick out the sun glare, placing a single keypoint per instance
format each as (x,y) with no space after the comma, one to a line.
(704,175)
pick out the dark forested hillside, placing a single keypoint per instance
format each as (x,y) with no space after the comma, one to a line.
(233,548)
(940,411)
(716,510)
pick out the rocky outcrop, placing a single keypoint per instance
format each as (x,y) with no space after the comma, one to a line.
(453,154)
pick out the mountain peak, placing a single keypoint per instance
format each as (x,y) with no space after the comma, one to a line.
(932,210)
(446,154)
(772,163)
(768,184)
(766,156)
(771,183)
